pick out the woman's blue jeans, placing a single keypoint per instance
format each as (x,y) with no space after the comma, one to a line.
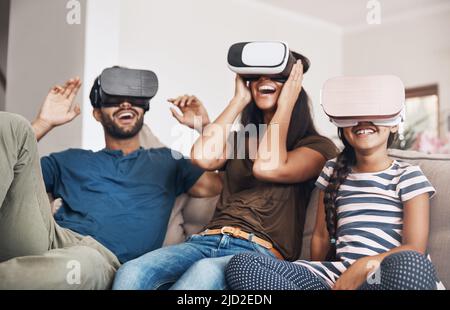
(199,264)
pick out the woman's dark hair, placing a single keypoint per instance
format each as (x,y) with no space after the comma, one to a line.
(300,126)
(344,163)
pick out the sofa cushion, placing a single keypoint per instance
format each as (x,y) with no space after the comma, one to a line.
(437,169)
(148,139)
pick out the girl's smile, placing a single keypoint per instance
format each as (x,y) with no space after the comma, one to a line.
(364,130)
(367,136)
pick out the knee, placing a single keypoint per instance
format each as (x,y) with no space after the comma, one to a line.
(243,269)
(16,130)
(14,121)
(205,268)
(94,269)
(411,259)
(241,262)
(205,274)
(129,276)
(139,274)
(409,270)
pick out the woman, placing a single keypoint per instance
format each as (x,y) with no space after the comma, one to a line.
(375,211)
(263,201)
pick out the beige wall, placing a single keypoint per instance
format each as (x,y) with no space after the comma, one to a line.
(188,46)
(103,22)
(43,50)
(186,43)
(417,49)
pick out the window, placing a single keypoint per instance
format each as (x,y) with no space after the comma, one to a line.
(422,110)
(422,128)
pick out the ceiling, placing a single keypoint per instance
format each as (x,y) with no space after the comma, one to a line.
(351,13)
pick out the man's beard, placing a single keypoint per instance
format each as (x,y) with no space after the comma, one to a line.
(117,132)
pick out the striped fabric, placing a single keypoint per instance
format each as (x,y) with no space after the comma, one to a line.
(369,213)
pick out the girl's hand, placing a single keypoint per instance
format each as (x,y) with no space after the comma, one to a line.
(192,109)
(354,276)
(292,87)
(242,93)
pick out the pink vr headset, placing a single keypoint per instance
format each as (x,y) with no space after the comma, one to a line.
(378,99)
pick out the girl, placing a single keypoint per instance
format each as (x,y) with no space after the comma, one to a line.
(375,211)
(260,210)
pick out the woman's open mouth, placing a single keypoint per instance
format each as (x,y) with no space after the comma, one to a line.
(267,89)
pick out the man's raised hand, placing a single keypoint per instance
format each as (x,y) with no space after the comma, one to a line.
(59,107)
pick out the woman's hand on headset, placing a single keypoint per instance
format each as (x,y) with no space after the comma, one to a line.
(58,107)
(242,93)
(292,87)
(193,113)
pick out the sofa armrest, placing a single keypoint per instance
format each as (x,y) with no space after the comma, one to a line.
(310,221)
(175,229)
(189,216)
(197,213)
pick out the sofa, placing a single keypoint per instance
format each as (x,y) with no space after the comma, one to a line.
(190,215)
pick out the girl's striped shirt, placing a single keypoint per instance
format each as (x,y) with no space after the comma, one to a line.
(369,213)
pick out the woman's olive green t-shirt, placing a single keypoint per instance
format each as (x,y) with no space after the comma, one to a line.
(272,211)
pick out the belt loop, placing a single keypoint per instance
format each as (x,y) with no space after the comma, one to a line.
(250,237)
(224,241)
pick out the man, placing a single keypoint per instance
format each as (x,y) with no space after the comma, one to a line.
(117,201)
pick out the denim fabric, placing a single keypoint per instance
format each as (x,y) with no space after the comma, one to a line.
(199,263)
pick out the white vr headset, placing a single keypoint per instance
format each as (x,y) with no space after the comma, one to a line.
(269,58)
(378,99)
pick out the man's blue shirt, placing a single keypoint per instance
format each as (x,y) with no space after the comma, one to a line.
(124,202)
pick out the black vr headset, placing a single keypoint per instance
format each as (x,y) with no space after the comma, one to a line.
(116,85)
(251,60)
